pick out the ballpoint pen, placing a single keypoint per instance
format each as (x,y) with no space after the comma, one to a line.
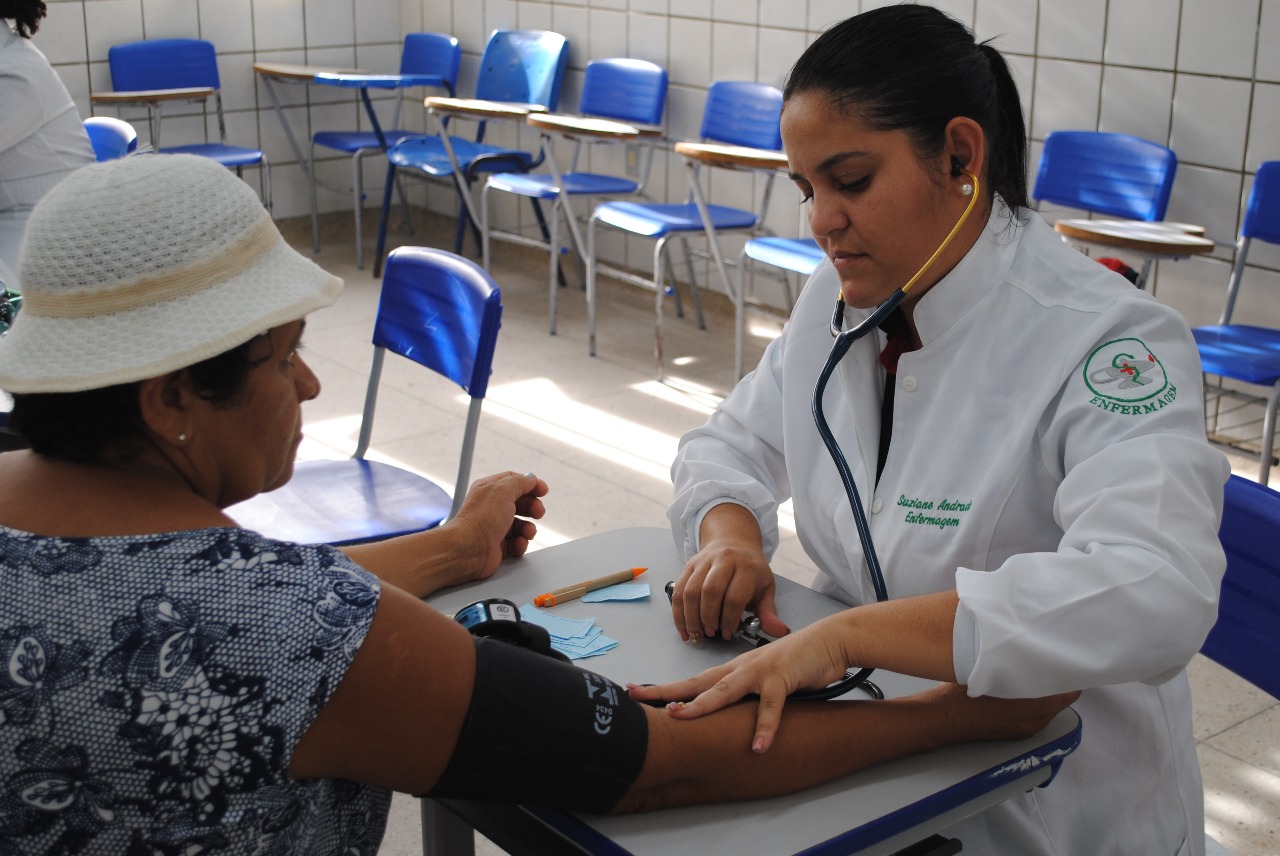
(577,590)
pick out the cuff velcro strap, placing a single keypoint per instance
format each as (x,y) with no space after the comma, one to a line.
(544,732)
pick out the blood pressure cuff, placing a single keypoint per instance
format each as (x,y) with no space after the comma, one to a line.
(543,732)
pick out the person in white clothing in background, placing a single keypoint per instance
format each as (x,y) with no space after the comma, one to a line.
(42,137)
(1026,431)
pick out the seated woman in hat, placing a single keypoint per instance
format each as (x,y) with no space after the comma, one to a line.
(174,683)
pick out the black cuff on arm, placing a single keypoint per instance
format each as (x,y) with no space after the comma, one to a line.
(543,732)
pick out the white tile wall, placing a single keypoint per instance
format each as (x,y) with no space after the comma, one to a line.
(1200,75)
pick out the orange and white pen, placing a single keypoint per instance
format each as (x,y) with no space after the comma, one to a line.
(577,590)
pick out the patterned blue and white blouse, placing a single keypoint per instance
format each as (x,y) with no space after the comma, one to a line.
(152,689)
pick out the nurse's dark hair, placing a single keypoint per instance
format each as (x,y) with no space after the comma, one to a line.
(82,426)
(25,14)
(913,68)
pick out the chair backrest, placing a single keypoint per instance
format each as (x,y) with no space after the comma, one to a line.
(432,53)
(111,138)
(1262,214)
(629,90)
(163,64)
(741,113)
(1114,174)
(441,311)
(1246,637)
(524,66)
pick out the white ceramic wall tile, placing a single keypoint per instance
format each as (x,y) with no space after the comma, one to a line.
(1268,63)
(329,22)
(1218,37)
(608,4)
(468,24)
(574,23)
(535,16)
(1209,198)
(608,35)
(647,38)
(735,11)
(411,18)
(690,51)
(733,52)
(1210,118)
(225,23)
(655,6)
(239,83)
(111,22)
(1072,30)
(692,9)
(1136,101)
(76,79)
(170,19)
(778,51)
(1256,303)
(1010,23)
(961,10)
(1264,126)
(378,21)
(1065,96)
(1196,287)
(278,24)
(499,14)
(61,37)
(1143,33)
(781,13)
(824,13)
(1023,71)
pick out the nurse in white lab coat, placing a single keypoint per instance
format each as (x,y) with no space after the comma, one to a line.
(1036,475)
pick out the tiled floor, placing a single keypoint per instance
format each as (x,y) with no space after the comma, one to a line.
(602,433)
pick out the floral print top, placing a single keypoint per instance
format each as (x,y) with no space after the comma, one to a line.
(152,689)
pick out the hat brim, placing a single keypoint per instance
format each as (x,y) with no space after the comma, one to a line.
(56,354)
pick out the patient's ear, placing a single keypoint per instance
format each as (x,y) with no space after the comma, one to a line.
(163,403)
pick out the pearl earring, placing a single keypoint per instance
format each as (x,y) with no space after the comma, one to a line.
(966,189)
(182,438)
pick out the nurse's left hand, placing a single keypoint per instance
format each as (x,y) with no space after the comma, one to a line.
(806,659)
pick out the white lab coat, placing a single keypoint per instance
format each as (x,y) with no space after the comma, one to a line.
(1049,462)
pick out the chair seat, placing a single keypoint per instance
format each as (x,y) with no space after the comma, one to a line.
(655,220)
(542,186)
(1250,354)
(427,154)
(223,154)
(354,141)
(801,255)
(345,502)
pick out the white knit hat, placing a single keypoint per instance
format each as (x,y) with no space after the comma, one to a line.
(140,266)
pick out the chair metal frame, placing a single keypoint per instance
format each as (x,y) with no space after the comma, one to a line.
(1242,352)
(443,312)
(186,70)
(629,91)
(741,114)
(518,67)
(422,54)
(1118,175)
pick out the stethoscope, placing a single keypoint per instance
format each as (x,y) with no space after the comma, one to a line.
(844,340)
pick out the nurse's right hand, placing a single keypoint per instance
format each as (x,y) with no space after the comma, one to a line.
(727,576)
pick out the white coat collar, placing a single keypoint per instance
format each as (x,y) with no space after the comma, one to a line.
(982,269)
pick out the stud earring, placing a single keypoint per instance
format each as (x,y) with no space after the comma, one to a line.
(966,189)
(182,438)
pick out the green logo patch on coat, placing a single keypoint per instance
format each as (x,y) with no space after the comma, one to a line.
(1125,377)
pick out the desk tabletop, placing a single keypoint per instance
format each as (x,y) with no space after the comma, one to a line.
(480,107)
(734,156)
(590,126)
(873,811)
(136,96)
(1171,239)
(299,73)
(361,80)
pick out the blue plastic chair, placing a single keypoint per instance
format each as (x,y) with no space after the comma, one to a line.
(737,113)
(518,66)
(631,91)
(111,138)
(443,312)
(1243,352)
(1117,175)
(167,64)
(432,56)
(1246,636)
(797,255)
